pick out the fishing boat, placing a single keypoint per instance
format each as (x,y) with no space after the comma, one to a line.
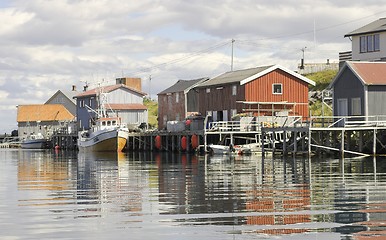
(35,141)
(106,134)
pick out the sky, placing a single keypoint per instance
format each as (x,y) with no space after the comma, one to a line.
(48,45)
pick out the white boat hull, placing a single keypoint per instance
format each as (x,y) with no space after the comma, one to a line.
(106,140)
(34,144)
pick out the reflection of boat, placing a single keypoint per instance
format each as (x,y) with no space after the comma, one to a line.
(35,141)
(107,133)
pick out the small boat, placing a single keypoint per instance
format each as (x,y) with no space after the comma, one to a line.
(35,141)
(236,149)
(106,134)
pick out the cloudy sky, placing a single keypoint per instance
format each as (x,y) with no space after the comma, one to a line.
(47,45)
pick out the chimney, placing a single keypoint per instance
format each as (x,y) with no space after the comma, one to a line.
(85,88)
(73,88)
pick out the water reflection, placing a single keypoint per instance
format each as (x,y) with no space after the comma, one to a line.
(247,196)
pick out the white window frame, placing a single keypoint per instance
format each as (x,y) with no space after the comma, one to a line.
(207,90)
(234,90)
(281,88)
(177,97)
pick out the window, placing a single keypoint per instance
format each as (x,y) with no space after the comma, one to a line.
(177,97)
(363,44)
(356,106)
(208,90)
(376,42)
(234,90)
(369,43)
(233,112)
(277,88)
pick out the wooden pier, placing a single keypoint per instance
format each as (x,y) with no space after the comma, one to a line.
(184,141)
(338,136)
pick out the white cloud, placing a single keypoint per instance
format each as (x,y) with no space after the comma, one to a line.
(50,45)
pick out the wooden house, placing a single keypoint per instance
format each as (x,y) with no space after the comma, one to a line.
(262,91)
(178,101)
(368,43)
(125,101)
(66,98)
(359,89)
(42,118)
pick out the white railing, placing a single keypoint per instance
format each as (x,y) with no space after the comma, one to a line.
(249,124)
(348,121)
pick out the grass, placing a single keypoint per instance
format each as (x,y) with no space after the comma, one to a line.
(152,108)
(322,79)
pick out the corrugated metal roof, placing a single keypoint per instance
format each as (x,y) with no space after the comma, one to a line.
(43,112)
(181,85)
(233,76)
(371,73)
(108,89)
(131,106)
(373,27)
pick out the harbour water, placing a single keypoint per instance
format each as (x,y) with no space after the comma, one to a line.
(70,195)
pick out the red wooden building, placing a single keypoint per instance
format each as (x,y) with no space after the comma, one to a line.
(262,91)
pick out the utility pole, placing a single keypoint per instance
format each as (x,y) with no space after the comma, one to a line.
(150,87)
(302,61)
(232,41)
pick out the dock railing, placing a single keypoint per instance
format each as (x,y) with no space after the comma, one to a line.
(347,121)
(253,124)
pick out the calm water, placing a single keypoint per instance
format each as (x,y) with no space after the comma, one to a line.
(66,195)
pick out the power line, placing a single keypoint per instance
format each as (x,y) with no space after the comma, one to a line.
(174,61)
(314,30)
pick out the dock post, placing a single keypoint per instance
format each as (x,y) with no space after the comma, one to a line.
(284,142)
(295,142)
(309,141)
(375,142)
(151,143)
(342,144)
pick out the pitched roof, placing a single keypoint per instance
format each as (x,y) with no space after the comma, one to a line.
(369,73)
(233,76)
(373,27)
(247,75)
(182,85)
(68,94)
(43,112)
(131,106)
(108,89)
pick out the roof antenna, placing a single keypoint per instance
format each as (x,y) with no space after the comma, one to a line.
(232,42)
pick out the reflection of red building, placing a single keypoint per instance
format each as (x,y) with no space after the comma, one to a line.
(376,226)
(282,200)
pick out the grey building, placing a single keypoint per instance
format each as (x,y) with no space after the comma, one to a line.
(359,89)
(368,43)
(66,98)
